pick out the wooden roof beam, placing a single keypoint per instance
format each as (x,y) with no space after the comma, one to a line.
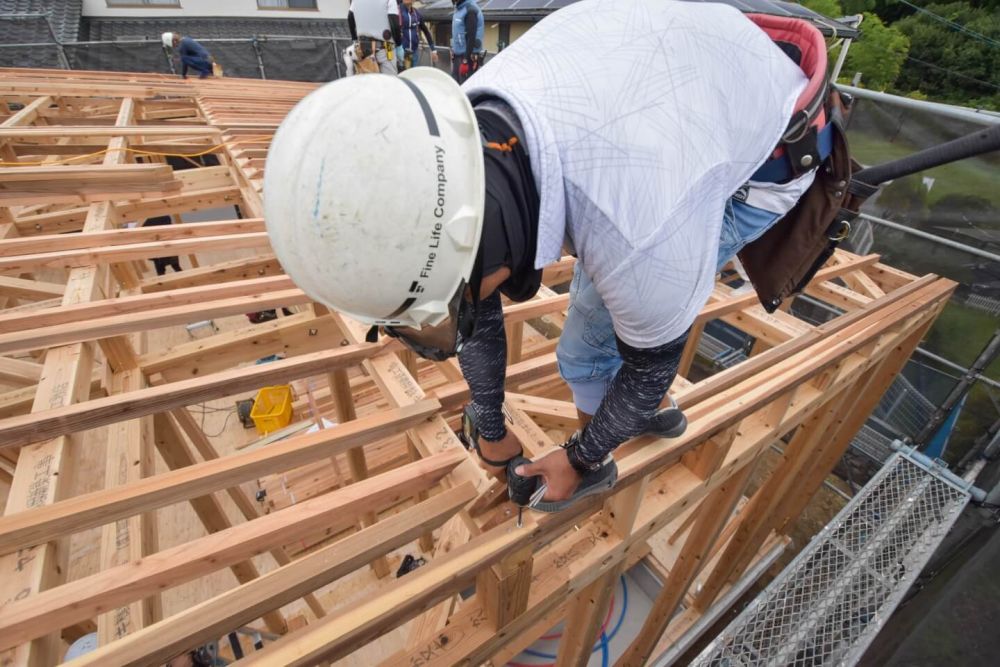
(80,599)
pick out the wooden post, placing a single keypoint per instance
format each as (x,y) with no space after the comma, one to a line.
(343,402)
(880,380)
(757,518)
(588,607)
(503,589)
(712,516)
(690,348)
(515,341)
(43,469)
(129,458)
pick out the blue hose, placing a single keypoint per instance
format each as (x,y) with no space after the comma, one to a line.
(604,645)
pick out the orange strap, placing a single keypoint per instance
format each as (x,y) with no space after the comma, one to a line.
(503,148)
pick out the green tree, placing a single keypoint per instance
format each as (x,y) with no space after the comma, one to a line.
(878,54)
(830,8)
(950,62)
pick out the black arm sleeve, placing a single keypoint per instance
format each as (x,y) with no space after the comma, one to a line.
(352,26)
(470,34)
(427,34)
(484,363)
(397,31)
(633,397)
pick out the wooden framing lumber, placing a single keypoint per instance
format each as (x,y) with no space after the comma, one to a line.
(139,303)
(95,321)
(33,526)
(241,605)
(38,477)
(29,289)
(116,237)
(16,431)
(333,511)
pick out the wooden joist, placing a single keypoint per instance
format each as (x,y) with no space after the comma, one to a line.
(333,511)
(92,301)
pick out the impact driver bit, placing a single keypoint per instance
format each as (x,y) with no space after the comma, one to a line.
(523,491)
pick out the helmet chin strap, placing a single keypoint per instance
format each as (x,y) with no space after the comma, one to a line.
(475,285)
(467,314)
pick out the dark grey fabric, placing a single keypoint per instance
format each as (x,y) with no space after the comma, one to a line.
(634,395)
(34,56)
(118,56)
(303,60)
(484,362)
(202,28)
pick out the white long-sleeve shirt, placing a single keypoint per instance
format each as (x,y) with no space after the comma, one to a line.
(641,118)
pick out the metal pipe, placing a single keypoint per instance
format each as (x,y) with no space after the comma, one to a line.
(984,359)
(979,116)
(713,613)
(338,57)
(846,44)
(856,19)
(958,367)
(938,469)
(932,237)
(59,47)
(260,61)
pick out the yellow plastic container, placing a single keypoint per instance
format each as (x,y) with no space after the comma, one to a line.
(272,409)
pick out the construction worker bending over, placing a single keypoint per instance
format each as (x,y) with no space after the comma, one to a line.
(467,48)
(626,155)
(374,26)
(192,54)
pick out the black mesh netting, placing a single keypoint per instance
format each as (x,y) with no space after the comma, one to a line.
(302,59)
(118,56)
(44,55)
(236,58)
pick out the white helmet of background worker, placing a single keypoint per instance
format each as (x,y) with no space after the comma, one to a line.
(373,200)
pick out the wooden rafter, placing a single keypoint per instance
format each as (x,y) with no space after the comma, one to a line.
(83,366)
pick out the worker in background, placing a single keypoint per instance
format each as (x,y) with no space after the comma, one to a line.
(161,264)
(628,154)
(466,39)
(192,54)
(374,26)
(412,24)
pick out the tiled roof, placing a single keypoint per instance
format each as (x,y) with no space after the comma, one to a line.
(110,29)
(530,10)
(64,15)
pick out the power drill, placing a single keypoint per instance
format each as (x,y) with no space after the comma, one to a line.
(523,491)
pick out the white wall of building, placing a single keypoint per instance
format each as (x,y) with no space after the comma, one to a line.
(326,9)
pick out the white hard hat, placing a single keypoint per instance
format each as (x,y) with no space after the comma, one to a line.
(168,39)
(373,196)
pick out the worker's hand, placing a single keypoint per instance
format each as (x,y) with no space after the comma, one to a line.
(434,56)
(560,477)
(503,449)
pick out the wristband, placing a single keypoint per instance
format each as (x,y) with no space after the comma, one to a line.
(572,447)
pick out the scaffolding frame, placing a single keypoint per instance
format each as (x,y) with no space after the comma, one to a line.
(828,604)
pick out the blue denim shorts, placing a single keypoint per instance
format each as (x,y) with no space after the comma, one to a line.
(587,353)
(741,224)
